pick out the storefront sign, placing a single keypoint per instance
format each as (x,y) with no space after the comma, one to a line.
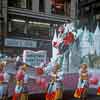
(33,58)
(20,43)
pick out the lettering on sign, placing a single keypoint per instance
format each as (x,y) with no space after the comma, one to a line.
(33,58)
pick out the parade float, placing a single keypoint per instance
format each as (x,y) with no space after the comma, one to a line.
(71,46)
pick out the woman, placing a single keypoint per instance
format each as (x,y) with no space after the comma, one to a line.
(81,90)
(21,84)
(55,88)
(4,79)
(98,90)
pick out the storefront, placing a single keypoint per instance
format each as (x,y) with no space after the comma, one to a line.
(14,47)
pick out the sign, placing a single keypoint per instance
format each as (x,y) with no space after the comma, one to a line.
(33,58)
(20,43)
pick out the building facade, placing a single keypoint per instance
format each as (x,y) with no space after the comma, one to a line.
(29,24)
(89,12)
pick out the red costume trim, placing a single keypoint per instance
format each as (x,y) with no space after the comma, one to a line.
(16,96)
(69,38)
(98,91)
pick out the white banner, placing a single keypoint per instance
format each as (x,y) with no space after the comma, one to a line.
(33,58)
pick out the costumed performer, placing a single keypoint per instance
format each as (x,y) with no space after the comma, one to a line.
(21,91)
(83,85)
(4,79)
(55,87)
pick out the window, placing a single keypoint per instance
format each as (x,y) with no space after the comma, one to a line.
(20,3)
(41,6)
(17,27)
(14,3)
(38,30)
(67,7)
(29,4)
(61,7)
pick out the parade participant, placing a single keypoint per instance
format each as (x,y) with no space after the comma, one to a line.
(54,90)
(4,79)
(21,82)
(1,80)
(81,90)
(55,87)
(98,90)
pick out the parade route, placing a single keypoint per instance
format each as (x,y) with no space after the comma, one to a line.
(67,95)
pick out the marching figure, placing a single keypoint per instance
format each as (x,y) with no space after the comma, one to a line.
(55,87)
(21,84)
(81,90)
(4,79)
(98,90)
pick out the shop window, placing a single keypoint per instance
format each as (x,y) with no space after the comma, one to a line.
(38,30)
(18,26)
(41,6)
(61,7)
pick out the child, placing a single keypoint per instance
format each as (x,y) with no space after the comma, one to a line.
(82,83)
(98,90)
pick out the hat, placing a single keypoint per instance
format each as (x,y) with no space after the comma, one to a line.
(24,66)
(84,65)
(57,66)
(4,62)
(2,65)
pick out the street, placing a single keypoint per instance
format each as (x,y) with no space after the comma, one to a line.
(68,95)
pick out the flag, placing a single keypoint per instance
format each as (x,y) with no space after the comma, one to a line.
(54,41)
(97,40)
(84,43)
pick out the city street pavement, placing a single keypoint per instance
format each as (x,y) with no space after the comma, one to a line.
(67,95)
(91,95)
